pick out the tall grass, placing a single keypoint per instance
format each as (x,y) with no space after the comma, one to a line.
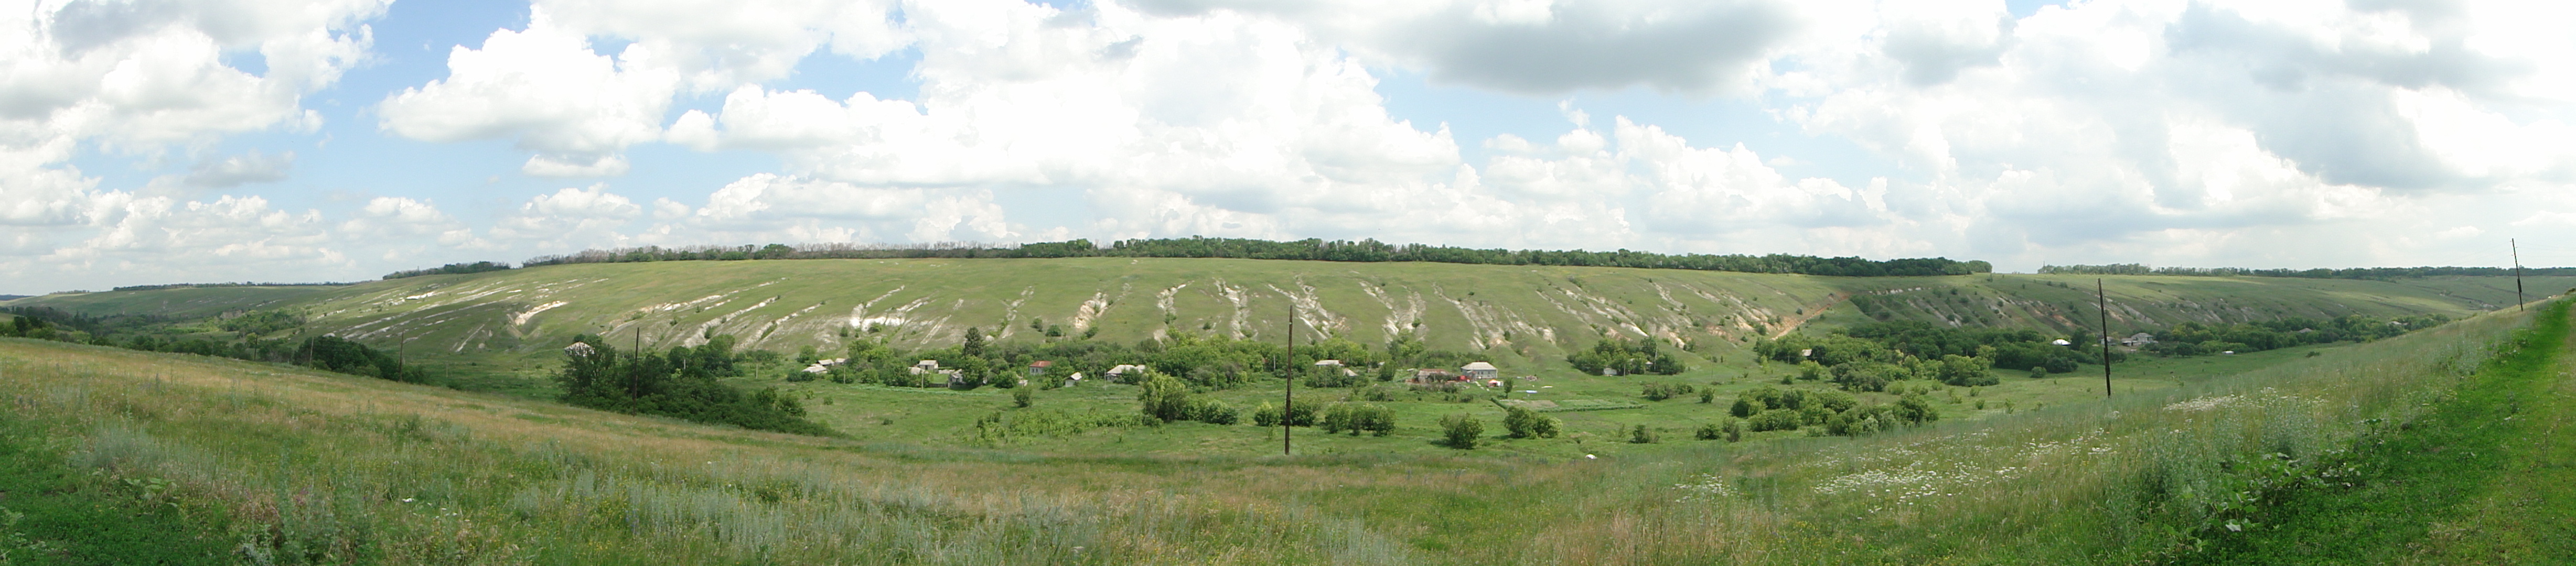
(316,468)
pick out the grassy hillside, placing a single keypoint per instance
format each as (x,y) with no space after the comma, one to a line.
(1519,315)
(192,302)
(325,467)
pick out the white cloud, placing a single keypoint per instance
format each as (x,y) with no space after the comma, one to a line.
(227,239)
(139,78)
(569,219)
(543,86)
(577,110)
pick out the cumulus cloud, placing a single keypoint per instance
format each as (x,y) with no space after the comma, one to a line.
(2117,127)
(140,78)
(577,110)
(569,219)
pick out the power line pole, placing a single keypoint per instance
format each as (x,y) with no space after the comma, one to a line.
(2518,302)
(2103,301)
(1288,403)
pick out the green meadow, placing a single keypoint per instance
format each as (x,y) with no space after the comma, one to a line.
(279,464)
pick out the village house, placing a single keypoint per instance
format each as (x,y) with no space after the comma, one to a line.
(1433,375)
(1038,368)
(1479,370)
(2138,340)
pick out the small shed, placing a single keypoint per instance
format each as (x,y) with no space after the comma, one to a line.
(925,366)
(1478,370)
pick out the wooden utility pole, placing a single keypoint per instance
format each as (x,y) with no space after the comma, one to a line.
(1288,403)
(2517,274)
(2103,302)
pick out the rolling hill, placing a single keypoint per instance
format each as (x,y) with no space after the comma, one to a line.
(1520,314)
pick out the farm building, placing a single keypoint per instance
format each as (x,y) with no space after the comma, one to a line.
(1478,370)
(1120,372)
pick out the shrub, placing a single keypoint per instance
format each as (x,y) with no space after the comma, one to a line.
(1023,397)
(1371,419)
(1734,430)
(1301,414)
(1776,419)
(1525,423)
(1164,397)
(1340,417)
(1662,391)
(1461,431)
(1641,435)
(1710,431)
(1915,410)
(1265,415)
(1212,411)
(1707,396)
(1744,407)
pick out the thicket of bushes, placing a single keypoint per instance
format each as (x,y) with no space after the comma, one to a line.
(680,383)
(2192,338)
(1627,357)
(1767,409)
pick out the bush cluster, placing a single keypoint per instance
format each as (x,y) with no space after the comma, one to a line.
(1461,431)
(1662,391)
(1524,423)
(680,383)
(1627,357)
(1768,408)
(1357,418)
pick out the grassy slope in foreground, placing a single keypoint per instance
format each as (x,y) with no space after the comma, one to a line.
(410,474)
(2483,479)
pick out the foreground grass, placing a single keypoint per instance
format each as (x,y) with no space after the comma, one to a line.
(321,468)
(52,512)
(2482,479)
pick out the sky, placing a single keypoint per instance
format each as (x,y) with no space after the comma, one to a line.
(166,141)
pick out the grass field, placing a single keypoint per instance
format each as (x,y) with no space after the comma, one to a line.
(297,463)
